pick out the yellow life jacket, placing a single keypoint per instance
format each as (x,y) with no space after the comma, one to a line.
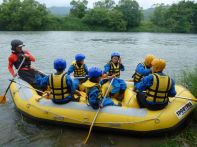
(89,85)
(114,69)
(158,92)
(59,89)
(79,71)
(137,76)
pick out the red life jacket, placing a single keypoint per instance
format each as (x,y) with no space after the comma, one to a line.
(26,64)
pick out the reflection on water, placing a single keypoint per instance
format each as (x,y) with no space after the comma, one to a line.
(16,130)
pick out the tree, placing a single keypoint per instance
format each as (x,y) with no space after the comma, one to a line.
(159,15)
(78,8)
(111,19)
(108,4)
(26,15)
(115,21)
(131,12)
(34,15)
(96,17)
(181,15)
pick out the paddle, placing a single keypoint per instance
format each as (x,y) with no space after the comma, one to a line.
(130,99)
(37,99)
(182,97)
(3,98)
(27,86)
(97,113)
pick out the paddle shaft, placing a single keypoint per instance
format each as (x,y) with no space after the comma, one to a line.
(182,97)
(14,77)
(92,124)
(27,86)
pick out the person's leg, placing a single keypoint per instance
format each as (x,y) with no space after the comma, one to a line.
(123,87)
(108,102)
(76,83)
(115,88)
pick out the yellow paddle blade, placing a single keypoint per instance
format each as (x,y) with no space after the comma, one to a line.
(2,99)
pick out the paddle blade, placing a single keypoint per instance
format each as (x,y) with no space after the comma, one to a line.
(2,99)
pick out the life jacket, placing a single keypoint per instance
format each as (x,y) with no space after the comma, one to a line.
(137,76)
(114,69)
(158,92)
(26,63)
(58,85)
(90,85)
(79,71)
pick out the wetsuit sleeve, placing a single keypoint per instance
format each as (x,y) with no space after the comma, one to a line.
(172,91)
(106,69)
(93,95)
(86,69)
(42,81)
(31,57)
(141,70)
(11,61)
(69,83)
(122,68)
(144,83)
(71,69)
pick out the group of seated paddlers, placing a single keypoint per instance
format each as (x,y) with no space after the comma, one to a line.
(152,86)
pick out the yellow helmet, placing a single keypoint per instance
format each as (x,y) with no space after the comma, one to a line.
(158,64)
(148,59)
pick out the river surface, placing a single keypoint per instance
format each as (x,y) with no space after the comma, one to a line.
(179,50)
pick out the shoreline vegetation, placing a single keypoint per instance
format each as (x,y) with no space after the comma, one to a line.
(188,136)
(106,15)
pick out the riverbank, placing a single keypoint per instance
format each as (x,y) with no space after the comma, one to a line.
(188,137)
(76,24)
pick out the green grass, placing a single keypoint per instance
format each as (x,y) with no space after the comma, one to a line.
(188,137)
(147,26)
(189,80)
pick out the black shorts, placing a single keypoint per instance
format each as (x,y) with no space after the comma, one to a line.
(141,99)
(29,77)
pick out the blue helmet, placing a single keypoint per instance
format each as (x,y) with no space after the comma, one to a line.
(115,54)
(94,72)
(79,57)
(59,64)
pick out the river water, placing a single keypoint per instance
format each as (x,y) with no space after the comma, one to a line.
(179,50)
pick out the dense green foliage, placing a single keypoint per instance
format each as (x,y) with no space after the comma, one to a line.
(78,8)
(26,15)
(181,17)
(106,15)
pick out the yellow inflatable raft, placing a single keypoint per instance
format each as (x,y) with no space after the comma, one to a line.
(129,117)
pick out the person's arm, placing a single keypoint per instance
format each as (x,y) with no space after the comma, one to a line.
(69,83)
(86,69)
(106,69)
(144,83)
(143,71)
(11,61)
(30,56)
(122,68)
(71,69)
(93,95)
(172,91)
(41,81)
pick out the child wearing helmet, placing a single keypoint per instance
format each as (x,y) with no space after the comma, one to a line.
(112,69)
(94,92)
(60,83)
(158,87)
(143,69)
(80,70)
